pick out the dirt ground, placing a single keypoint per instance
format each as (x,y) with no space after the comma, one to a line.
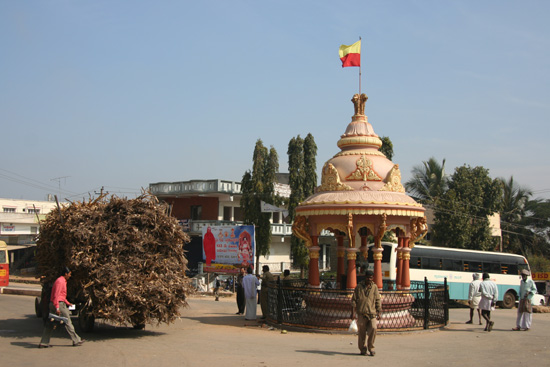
(209,333)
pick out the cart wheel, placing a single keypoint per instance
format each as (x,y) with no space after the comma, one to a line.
(86,321)
(139,326)
(37,307)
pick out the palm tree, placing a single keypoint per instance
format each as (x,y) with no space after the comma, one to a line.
(514,200)
(429,181)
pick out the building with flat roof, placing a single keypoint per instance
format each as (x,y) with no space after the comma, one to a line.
(208,203)
(19,227)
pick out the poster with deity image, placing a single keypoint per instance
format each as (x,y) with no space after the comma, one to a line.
(227,249)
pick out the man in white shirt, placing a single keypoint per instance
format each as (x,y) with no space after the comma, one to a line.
(250,284)
(489,297)
(474,296)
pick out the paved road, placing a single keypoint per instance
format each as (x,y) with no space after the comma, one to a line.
(210,334)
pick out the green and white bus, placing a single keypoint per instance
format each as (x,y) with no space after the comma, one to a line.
(458,265)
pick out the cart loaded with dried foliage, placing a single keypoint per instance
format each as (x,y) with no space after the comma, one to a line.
(126,255)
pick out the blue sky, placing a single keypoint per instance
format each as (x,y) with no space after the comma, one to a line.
(121,94)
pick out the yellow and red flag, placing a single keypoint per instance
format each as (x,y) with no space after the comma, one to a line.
(350,55)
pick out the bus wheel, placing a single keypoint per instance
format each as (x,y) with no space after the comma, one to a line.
(509,300)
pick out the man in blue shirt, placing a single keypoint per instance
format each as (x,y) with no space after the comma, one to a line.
(527,290)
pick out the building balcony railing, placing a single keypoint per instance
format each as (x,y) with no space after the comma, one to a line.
(195,187)
(196,226)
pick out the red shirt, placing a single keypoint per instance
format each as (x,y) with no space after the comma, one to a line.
(59,292)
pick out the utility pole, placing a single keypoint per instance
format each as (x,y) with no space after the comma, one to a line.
(58,179)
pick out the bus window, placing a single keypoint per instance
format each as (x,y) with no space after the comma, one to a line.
(491,268)
(414,263)
(431,263)
(472,266)
(452,264)
(3,257)
(511,269)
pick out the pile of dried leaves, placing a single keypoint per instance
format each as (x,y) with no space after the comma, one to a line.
(126,255)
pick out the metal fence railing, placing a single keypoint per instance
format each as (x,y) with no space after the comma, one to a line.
(294,303)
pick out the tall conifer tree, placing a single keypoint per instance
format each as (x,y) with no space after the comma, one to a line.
(258,186)
(303,180)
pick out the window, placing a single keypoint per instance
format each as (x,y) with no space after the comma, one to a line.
(238,214)
(196,212)
(33,211)
(452,265)
(9,210)
(472,266)
(414,263)
(491,268)
(511,269)
(226,213)
(431,263)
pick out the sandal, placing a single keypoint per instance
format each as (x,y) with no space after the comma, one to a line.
(516,329)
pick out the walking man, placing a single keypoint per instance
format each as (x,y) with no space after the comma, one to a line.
(217,286)
(474,296)
(266,278)
(240,292)
(366,308)
(58,305)
(527,290)
(250,284)
(489,296)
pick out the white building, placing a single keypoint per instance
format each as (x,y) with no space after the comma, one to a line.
(19,226)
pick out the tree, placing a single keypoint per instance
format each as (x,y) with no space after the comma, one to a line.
(258,186)
(461,216)
(387,147)
(537,222)
(296,174)
(539,263)
(514,200)
(429,181)
(303,180)
(310,165)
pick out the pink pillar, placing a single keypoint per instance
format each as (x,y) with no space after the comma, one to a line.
(399,276)
(377,255)
(341,252)
(364,249)
(314,263)
(406,277)
(352,272)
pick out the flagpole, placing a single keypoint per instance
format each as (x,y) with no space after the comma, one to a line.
(360,69)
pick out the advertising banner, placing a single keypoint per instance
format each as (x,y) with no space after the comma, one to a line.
(537,277)
(227,249)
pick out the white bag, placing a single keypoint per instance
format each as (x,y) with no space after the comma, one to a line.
(353,327)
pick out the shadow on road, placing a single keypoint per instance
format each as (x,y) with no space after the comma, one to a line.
(32,327)
(326,352)
(225,320)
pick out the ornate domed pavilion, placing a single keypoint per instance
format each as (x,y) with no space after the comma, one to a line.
(361,194)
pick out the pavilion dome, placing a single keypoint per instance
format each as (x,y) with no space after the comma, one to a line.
(360,179)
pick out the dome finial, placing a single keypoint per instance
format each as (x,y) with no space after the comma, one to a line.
(359,101)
